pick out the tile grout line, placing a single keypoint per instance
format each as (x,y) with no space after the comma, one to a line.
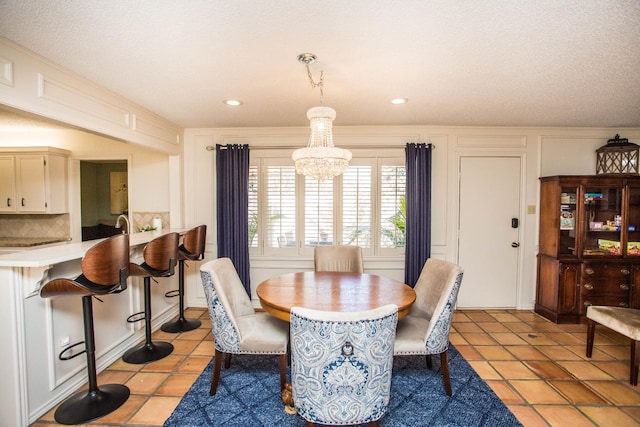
(610,349)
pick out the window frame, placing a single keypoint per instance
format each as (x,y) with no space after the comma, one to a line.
(263,158)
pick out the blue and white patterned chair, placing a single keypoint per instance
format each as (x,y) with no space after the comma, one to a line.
(341,364)
(425,331)
(236,327)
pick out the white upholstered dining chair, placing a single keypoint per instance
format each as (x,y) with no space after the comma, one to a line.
(342,258)
(236,327)
(341,364)
(425,331)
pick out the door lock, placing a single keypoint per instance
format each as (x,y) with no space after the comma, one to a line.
(515,244)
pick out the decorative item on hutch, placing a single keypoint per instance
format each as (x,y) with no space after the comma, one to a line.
(618,156)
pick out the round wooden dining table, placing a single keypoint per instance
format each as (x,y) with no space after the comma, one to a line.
(332,291)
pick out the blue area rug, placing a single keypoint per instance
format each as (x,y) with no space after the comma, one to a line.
(249,395)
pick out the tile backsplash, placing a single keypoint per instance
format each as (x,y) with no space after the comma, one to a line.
(144,219)
(59,225)
(47,225)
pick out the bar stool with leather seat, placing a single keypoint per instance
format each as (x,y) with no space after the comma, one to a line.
(160,256)
(105,268)
(192,248)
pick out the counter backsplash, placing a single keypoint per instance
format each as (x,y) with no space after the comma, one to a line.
(49,226)
(58,226)
(145,219)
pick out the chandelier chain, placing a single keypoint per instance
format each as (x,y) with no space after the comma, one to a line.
(320,83)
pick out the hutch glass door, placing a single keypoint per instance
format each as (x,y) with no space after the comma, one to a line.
(602,221)
(633,222)
(568,204)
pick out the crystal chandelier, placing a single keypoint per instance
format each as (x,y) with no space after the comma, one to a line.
(320,159)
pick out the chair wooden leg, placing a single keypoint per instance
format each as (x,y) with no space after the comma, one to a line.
(429,364)
(591,332)
(227,361)
(217,364)
(375,423)
(444,365)
(310,424)
(283,370)
(635,362)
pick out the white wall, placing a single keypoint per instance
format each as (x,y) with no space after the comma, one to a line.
(544,151)
(149,170)
(32,83)
(182,180)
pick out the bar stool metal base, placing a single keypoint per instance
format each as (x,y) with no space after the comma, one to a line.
(148,352)
(181,325)
(87,406)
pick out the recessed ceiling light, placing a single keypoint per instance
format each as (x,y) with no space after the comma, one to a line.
(399,101)
(233,102)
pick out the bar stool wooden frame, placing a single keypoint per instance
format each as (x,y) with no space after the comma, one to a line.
(192,248)
(105,268)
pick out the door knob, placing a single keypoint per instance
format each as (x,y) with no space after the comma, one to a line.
(515,244)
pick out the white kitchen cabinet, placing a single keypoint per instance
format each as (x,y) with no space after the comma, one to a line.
(7,184)
(34,180)
(31,183)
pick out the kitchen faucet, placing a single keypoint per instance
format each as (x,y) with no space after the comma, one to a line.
(118,225)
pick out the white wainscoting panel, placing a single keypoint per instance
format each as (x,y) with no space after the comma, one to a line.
(6,71)
(63,94)
(490,141)
(155,130)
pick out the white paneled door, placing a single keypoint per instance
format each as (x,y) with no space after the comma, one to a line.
(488,241)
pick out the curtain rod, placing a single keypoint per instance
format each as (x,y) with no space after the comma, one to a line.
(293,147)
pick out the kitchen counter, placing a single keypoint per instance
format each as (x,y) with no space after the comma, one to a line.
(36,380)
(25,242)
(56,253)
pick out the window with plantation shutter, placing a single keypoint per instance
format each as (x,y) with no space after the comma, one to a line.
(356,206)
(318,212)
(253,206)
(290,214)
(392,206)
(281,206)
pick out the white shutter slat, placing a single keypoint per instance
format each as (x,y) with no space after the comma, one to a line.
(281,206)
(318,212)
(356,202)
(392,196)
(253,206)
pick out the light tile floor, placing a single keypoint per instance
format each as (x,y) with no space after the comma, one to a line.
(538,369)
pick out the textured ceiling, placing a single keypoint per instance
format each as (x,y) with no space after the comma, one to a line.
(491,62)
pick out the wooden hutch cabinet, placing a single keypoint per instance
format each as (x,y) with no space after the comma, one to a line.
(589,245)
